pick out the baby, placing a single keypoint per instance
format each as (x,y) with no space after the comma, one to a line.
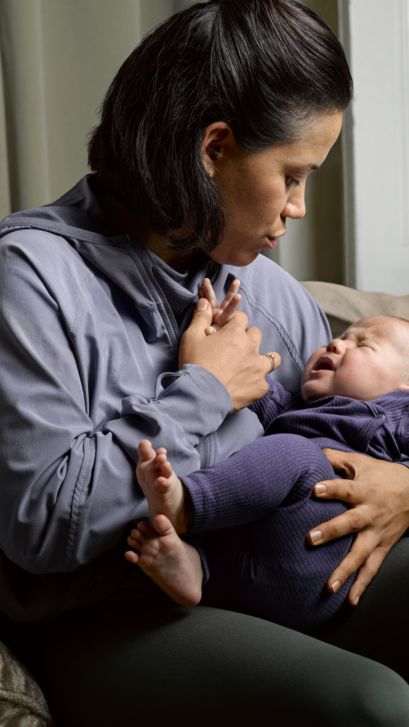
(354,396)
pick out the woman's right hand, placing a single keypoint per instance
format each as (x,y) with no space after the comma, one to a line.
(231,354)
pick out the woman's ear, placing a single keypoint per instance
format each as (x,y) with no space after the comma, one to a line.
(218,142)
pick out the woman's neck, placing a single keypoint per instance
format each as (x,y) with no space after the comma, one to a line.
(121,221)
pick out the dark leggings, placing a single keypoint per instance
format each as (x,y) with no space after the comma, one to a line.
(260,562)
(115,664)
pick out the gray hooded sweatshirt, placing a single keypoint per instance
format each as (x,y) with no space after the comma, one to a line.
(90,326)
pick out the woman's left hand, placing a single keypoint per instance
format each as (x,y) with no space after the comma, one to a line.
(377,493)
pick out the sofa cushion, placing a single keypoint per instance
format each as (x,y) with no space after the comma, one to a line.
(22,703)
(343,305)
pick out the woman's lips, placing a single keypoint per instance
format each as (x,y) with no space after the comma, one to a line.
(271,242)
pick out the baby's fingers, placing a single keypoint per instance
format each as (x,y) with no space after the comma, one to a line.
(224,315)
(206,291)
(231,293)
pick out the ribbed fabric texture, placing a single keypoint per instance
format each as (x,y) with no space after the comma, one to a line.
(252,482)
(282,578)
(267,487)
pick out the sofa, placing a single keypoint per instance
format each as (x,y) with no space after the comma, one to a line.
(22,703)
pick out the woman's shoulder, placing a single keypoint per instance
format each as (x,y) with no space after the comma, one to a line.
(62,236)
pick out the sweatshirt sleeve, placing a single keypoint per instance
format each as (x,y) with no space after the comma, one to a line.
(68,486)
(275,402)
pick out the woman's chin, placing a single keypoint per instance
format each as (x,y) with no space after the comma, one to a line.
(234,257)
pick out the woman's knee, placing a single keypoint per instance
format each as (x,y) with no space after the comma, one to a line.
(383,699)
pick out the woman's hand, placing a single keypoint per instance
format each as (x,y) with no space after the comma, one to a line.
(231,354)
(377,493)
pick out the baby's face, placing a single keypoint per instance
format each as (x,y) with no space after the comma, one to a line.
(368,360)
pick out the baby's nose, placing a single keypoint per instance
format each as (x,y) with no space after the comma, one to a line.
(337,345)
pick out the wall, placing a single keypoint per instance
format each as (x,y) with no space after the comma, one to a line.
(377,158)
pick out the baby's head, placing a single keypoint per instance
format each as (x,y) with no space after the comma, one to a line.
(369,359)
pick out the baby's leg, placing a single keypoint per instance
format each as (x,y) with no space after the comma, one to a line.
(162,488)
(298,573)
(273,571)
(251,483)
(174,565)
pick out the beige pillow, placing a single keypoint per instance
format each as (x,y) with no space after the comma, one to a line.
(343,305)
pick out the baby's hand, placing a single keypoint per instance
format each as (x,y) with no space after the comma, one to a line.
(223,312)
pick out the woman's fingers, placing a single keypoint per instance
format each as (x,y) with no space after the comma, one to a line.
(366,574)
(364,558)
(231,354)
(361,549)
(377,494)
(351,521)
(346,463)
(348,491)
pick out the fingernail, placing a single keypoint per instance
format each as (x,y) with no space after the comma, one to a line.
(315,535)
(202,304)
(320,488)
(356,600)
(335,586)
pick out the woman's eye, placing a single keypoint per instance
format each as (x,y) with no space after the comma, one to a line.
(291,182)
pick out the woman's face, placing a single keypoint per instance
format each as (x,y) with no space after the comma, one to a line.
(260,191)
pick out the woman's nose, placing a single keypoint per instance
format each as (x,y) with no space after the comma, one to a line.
(295,206)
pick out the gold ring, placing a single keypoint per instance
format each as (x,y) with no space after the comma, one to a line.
(272,358)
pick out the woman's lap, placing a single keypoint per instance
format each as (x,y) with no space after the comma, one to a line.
(117,664)
(379,627)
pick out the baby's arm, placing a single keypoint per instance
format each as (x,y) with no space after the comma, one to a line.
(275,402)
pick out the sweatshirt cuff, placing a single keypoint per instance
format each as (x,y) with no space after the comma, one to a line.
(194,397)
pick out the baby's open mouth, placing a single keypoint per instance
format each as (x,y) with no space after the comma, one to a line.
(324,363)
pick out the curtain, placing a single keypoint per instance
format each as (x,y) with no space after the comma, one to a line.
(57,58)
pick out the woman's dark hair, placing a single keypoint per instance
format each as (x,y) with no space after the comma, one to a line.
(262,66)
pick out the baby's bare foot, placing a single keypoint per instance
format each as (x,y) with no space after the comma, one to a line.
(161,486)
(171,563)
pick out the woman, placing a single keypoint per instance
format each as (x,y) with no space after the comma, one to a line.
(208,134)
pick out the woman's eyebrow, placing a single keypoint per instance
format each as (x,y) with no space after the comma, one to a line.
(302,168)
